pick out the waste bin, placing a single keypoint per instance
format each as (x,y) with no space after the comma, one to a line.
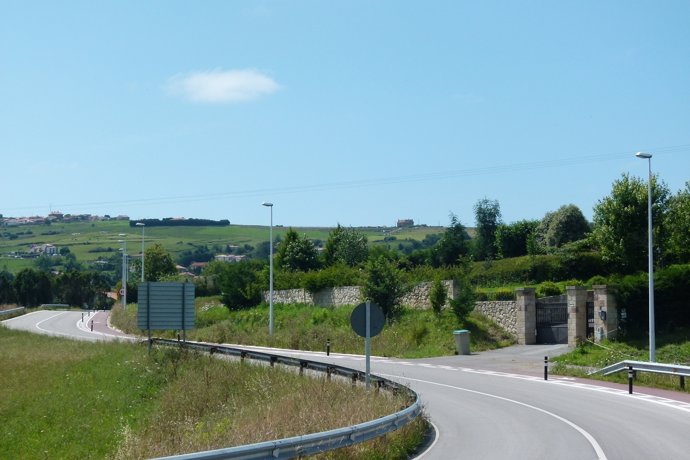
(462,341)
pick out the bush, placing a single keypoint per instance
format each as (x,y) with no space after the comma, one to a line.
(333,276)
(438,296)
(464,304)
(597,280)
(548,289)
(503,294)
(384,285)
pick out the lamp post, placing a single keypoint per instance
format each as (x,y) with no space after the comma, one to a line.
(270,271)
(124,272)
(652,341)
(143,226)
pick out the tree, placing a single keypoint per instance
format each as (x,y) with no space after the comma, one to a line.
(7,295)
(620,223)
(81,288)
(452,246)
(346,245)
(565,225)
(512,240)
(296,253)
(678,226)
(158,263)
(488,217)
(383,285)
(33,287)
(240,283)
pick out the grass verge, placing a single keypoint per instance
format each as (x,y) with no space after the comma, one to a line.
(68,399)
(672,349)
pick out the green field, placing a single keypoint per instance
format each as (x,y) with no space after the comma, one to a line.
(90,240)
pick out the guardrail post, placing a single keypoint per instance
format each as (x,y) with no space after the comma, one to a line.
(546,368)
(682,382)
(328,373)
(630,379)
(273,361)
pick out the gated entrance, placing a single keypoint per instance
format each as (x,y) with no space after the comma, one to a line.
(552,319)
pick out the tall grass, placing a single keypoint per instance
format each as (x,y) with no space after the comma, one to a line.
(412,334)
(69,399)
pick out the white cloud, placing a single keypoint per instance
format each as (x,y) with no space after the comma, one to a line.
(222,86)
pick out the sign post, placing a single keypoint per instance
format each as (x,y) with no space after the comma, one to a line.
(166,306)
(367,321)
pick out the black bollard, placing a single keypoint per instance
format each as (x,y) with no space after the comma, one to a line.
(546,368)
(91,326)
(328,347)
(630,379)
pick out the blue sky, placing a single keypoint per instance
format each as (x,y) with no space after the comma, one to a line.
(356,112)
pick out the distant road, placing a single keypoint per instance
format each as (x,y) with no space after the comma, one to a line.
(69,324)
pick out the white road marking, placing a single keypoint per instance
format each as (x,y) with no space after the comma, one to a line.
(593,442)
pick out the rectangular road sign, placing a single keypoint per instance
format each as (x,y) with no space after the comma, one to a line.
(166,306)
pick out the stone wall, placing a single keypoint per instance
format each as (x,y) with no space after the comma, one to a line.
(418,297)
(503,313)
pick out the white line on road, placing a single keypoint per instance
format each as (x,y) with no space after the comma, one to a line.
(593,442)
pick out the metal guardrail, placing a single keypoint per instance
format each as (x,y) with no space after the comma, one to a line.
(657,368)
(309,444)
(12,311)
(645,366)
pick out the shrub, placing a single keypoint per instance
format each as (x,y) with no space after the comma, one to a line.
(464,304)
(547,289)
(503,294)
(384,285)
(597,280)
(438,296)
(333,276)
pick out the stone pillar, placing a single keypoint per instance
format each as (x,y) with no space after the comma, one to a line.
(605,313)
(577,314)
(526,316)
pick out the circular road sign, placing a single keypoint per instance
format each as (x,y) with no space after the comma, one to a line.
(358,319)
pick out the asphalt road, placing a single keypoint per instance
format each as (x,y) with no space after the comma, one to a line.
(68,324)
(495,405)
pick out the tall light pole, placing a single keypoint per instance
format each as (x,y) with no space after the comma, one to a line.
(652,341)
(143,226)
(124,272)
(270,271)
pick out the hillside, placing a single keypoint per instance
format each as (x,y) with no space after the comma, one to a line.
(94,241)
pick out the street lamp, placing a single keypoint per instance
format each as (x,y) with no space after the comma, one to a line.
(652,344)
(143,226)
(124,272)
(270,271)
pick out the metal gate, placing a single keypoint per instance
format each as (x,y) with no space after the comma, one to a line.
(590,320)
(552,319)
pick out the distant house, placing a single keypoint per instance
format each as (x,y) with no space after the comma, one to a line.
(229,258)
(402,223)
(45,249)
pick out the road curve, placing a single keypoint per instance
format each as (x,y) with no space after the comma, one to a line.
(493,405)
(482,412)
(69,324)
